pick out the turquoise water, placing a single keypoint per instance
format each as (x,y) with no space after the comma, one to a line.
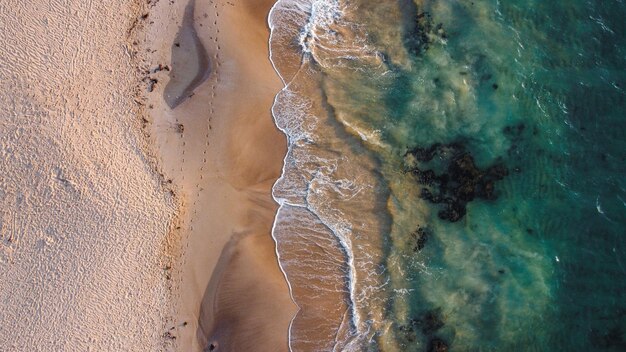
(456,174)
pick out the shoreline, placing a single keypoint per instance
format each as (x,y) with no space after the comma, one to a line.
(223,152)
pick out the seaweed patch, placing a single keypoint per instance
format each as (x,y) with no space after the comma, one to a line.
(422,32)
(420,237)
(428,324)
(451,178)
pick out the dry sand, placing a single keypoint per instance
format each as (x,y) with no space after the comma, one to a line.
(220,146)
(126,225)
(84,218)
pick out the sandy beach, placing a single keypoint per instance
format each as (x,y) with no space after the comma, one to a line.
(220,146)
(87,224)
(138,156)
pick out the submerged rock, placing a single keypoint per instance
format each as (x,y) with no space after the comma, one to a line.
(514,131)
(611,338)
(430,322)
(420,236)
(437,345)
(457,180)
(421,31)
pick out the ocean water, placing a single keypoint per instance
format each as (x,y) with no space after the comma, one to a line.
(456,174)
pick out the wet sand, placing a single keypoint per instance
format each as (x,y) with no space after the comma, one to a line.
(189,64)
(222,152)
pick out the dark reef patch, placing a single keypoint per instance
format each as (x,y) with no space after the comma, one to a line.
(452,179)
(421,31)
(420,237)
(437,345)
(428,324)
(610,339)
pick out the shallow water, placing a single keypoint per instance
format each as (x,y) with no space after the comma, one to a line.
(515,241)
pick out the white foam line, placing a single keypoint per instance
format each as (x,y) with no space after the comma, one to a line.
(283,202)
(280,202)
